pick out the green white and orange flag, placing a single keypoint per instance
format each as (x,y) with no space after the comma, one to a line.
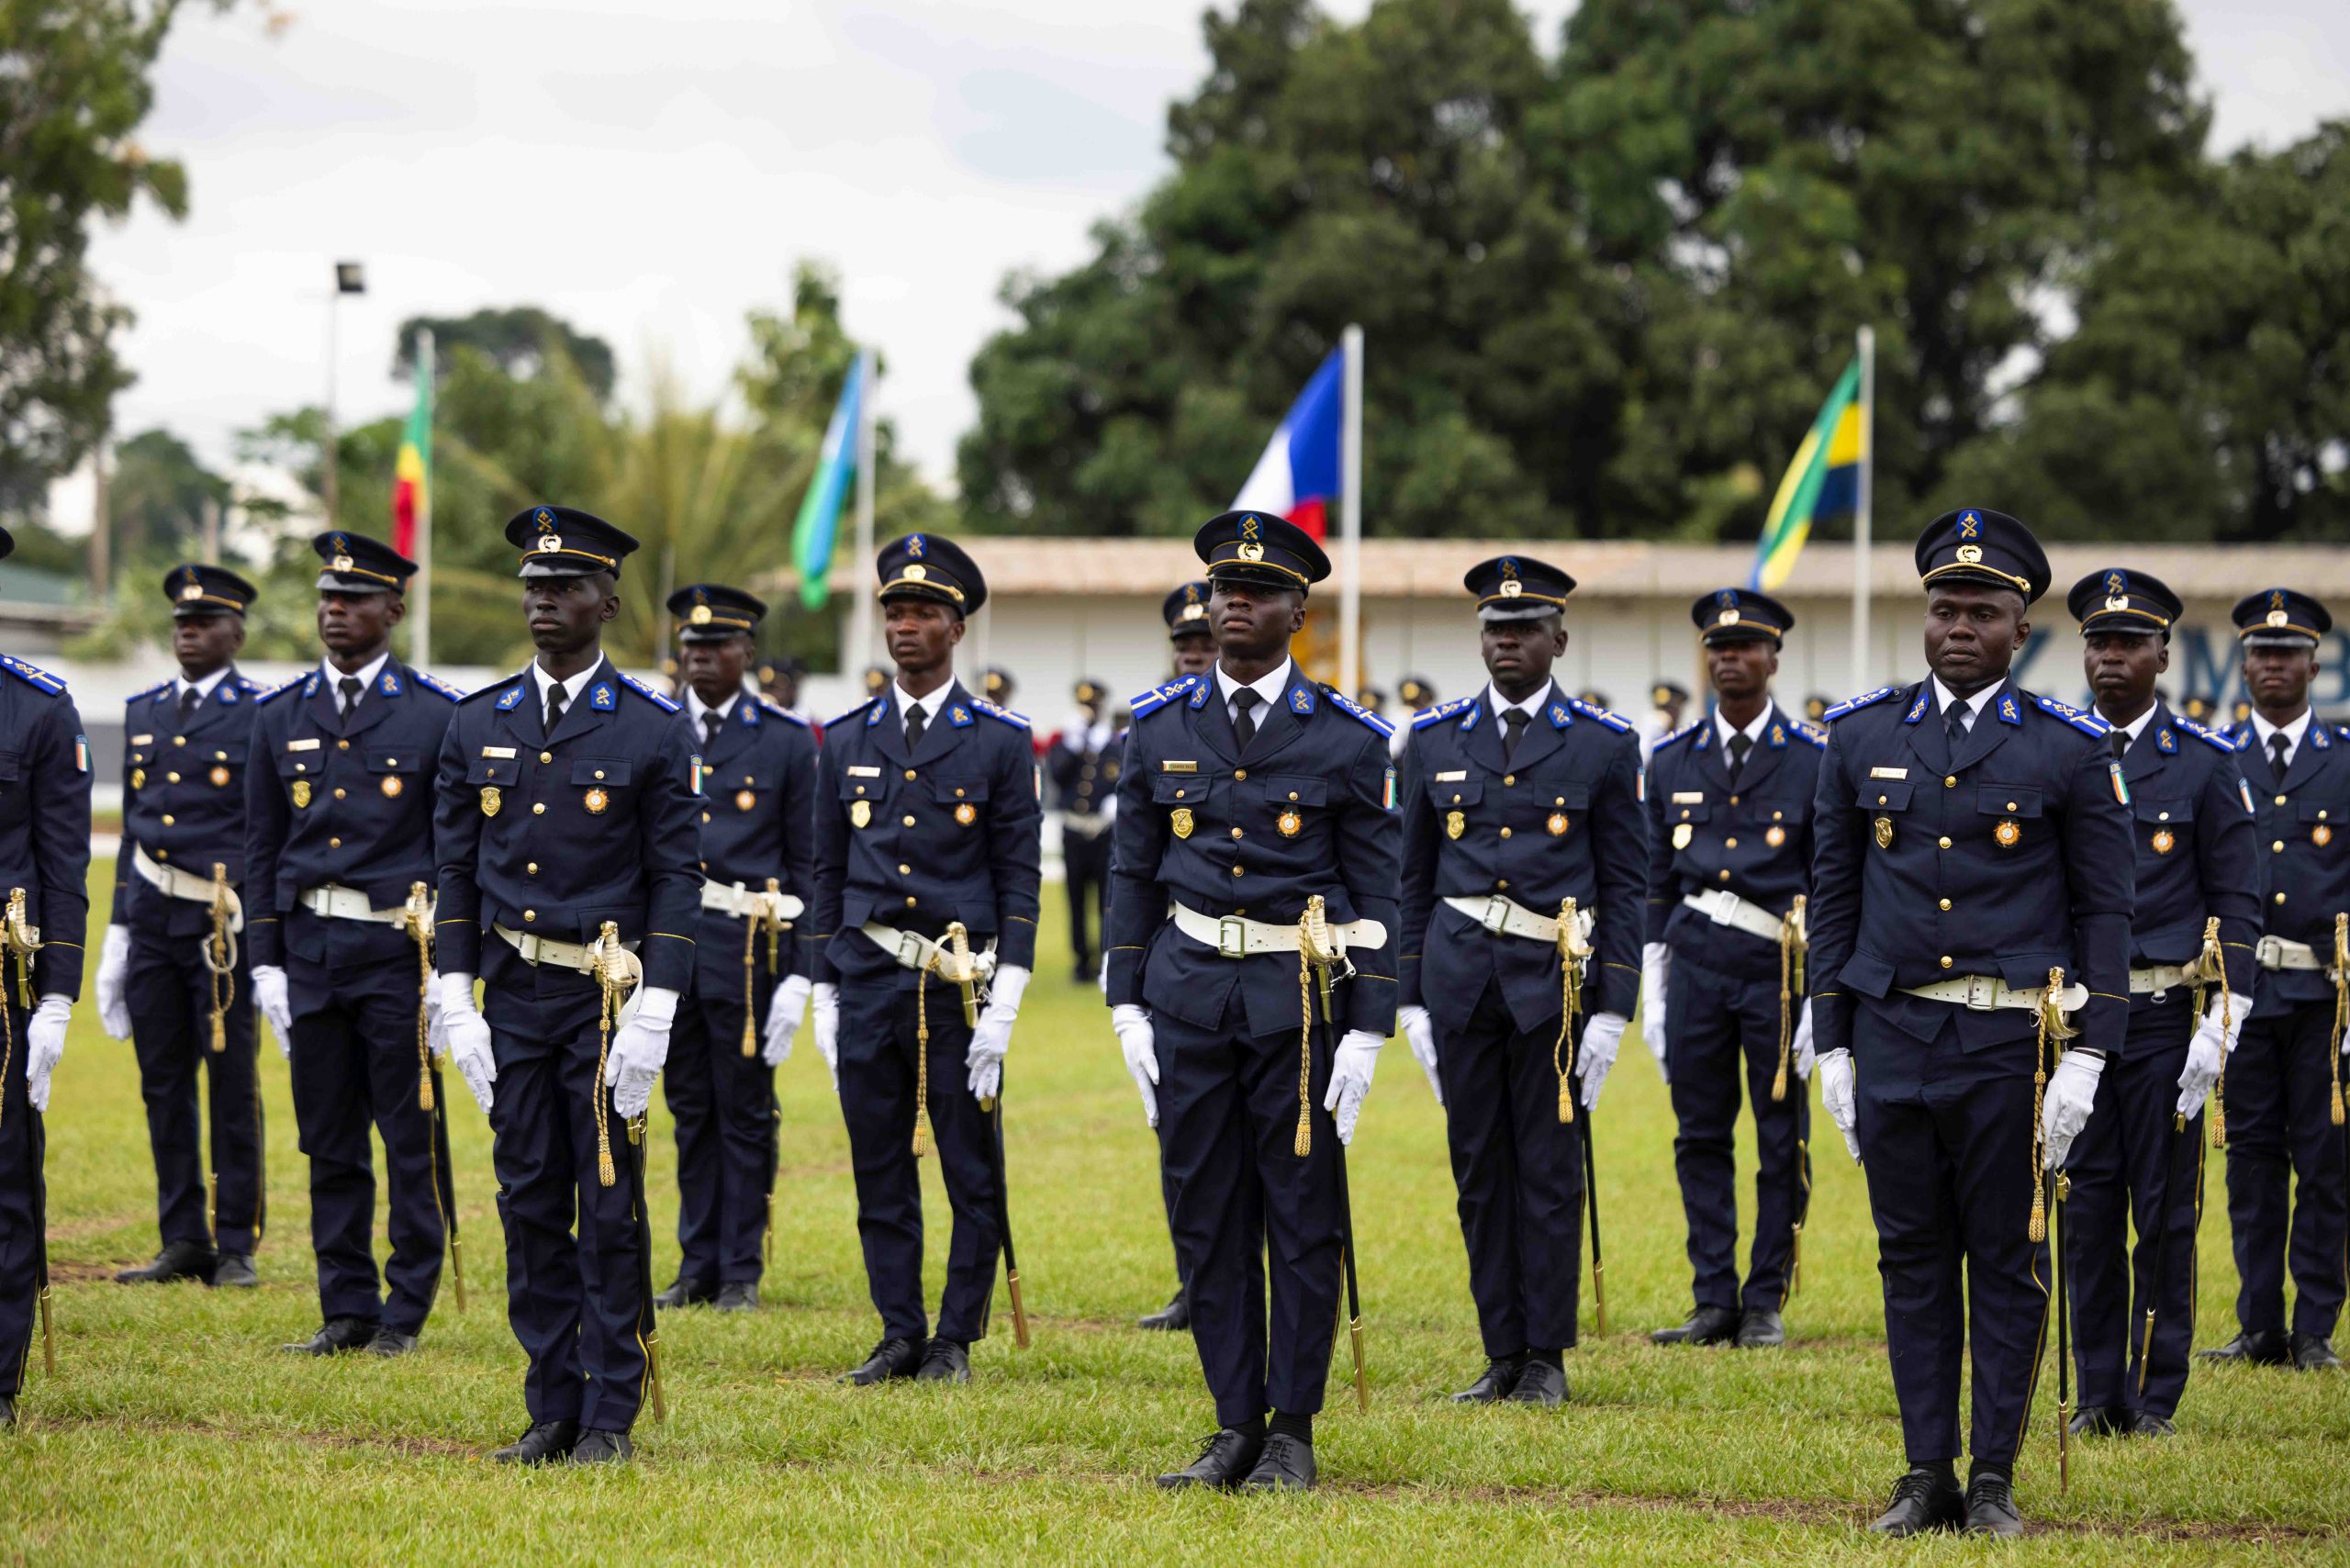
(412,473)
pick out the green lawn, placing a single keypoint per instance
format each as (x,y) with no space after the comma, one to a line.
(176,1432)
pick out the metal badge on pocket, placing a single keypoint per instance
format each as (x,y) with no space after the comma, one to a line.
(1681,833)
(1289,823)
(1885,832)
(1181,821)
(595,800)
(302,794)
(1774,836)
(2009,833)
(860,813)
(1454,824)
(745,799)
(2164,842)
(1557,825)
(392,785)
(967,813)
(492,802)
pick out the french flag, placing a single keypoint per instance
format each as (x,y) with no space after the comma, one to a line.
(1298,475)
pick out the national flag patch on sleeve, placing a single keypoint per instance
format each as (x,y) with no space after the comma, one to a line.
(1389,800)
(81,753)
(694,775)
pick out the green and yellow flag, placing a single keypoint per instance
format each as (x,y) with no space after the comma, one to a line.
(1823,481)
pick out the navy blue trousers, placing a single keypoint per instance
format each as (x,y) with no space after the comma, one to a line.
(23,1211)
(2285,1187)
(2132,1169)
(170,994)
(1246,1205)
(1517,1172)
(1721,1030)
(1086,873)
(724,1104)
(879,1083)
(354,1066)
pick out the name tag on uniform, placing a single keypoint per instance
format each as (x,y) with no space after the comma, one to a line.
(1888,773)
(310,745)
(864,773)
(1688,797)
(497,751)
(142,740)
(1166,765)
(1452,776)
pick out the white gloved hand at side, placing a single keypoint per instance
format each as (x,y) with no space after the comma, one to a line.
(467,1034)
(1350,1072)
(1802,1047)
(114,975)
(824,1010)
(640,1049)
(1836,1091)
(1138,1042)
(436,1038)
(1419,1035)
(45,1045)
(1603,1035)
(2071,1096)
(785,1010)
(992,1038)
(271,1000)
(2207,1058)
(1656,979)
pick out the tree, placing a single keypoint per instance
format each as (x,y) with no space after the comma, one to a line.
(160,495)
(522,340)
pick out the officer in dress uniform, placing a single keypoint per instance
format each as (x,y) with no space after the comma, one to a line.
(2282,1095)
(750,989)
(1418,694)
(2138,1165)
(928,860)
(1722,972)
(1522,880)
(567,824)
(1972,843)
(1084,764)
(172,977)
(339,844)
(45,872)
(1668,700)
(1252,799)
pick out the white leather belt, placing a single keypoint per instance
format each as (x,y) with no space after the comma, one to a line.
(2277,953)
(1725,907)
(1237,936)
(914,951)
(738,900)
(577,956)
(2160,978)
(1088,825)
(337,902)
(174,884)
(1507,917)
(1986,993)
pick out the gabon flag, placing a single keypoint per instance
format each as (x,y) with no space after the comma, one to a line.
(412,473)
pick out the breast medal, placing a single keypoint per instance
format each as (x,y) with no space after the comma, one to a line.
(1289,823)
(1681,833)
(2321,836)
(2164,842)
(967,813)
(1557,824)
(1454,824)
(2009,833)
(1774,836)
(220,777)
(1181,821)
(595,800)
(491,801)
(302,796)
(860,813)
(1885,832)
(745,799)
(391,785)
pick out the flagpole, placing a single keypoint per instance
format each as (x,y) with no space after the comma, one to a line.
(1861,519)
(860,634)
(420,639)
(1351,515)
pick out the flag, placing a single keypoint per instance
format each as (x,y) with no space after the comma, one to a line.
(412,471)
(1823,480)
(1297,477)
(814,532)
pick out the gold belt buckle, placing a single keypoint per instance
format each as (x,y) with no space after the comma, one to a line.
(1232,936)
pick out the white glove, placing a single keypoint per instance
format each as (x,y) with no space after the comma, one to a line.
(2207,1055)
(824,1007)
(1603,1035)
(1350,1072)
(640,1051)
(1137,1040)
(45,1043)
(2072,1095)
(467,1034)
(992,1038)
(785,1010)
(1656,978)
(1836,1091)
(1804,1054)
(1419,1033)
(269,996)
(2236,1009)
(436,1038)
(114,973)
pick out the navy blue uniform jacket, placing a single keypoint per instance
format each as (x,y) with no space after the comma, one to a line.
(2307,879)
(758,820)
(45,820)
(183,798)
(2193,835)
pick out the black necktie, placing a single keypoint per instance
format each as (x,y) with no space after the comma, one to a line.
(916,721)
(1740,744)
(554,706)
(2120,742)
(349,686)
(1954,725)
(188,699)
(2278,749)
(710,720)
(1244,724)
(1512,732)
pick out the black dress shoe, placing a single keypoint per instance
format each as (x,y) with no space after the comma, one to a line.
(2314,1352)
(2146,1424)
(890,1358)
(2100,1421)
(1538,1382)
(336,1335)
(603,1447)
(234,1272)
(8,1412)
(1706,1326)
(2254,1347)
(1761,1330)
(1991,1505)
(1926,1499)
(1225,1459)
(178,1260)
(1493,1384)
(946,1361)
(740,1297)
(1175,1317)
(1285,1465)
(544,1442)
(683,1291)
(390,1342)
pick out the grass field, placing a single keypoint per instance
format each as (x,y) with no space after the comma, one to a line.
(175,1431)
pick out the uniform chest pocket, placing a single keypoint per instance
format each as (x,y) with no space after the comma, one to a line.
(1883,795)
(2154,811)
(8,766)
(1457,792)
(395,759)
(1282,790)
(493,770)
(610,772)
(2007,800)
(2334,812)
(958,791)
(1181,790)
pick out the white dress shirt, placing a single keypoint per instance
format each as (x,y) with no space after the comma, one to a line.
(2293,733)
(571,688)
(929,705)
(1754,732)
(1269,688)
(1944,697)
(182,685)
(366,677)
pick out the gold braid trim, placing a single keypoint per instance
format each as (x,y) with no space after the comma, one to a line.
(922,1057)
(2212,968)
(1562,1049)
(1302,1144)
(612,978)
(2341,1007)
(1791,948)
(750,942)
(220,949)
(2052,1026)
(20,940)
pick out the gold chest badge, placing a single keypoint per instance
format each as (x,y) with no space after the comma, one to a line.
(2164,842)
(302,795)
(1681,833)
(1774,836)
(1289,823)
(220,777)
(860,813)
(1885,832)
(1181,821)
(745,799)
(967,813)
(595,800)
(1454,824)
(2321,836)
(2009,833)
(1557,825)
(492,802)
(138,778)
(391,786)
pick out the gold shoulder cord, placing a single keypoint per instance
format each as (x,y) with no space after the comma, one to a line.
(220,958)
(2052,1026)
(2212,968)
(1562,1049)
(416,919)
(1793,944)
(20,939)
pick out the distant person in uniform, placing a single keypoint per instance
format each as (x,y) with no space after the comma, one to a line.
(1082,763)
(1668,700)
(1417,695)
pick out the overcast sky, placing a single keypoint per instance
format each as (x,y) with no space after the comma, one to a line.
(651,170)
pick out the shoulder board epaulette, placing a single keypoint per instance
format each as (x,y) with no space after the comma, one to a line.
(1809,732)
(1683,734)
(2205,733)
(39,679)
(2087,723)
(844,716)
(276,691)
(1441,711)
(433,683)
(493,689)
(159,686)
(786,715)
(1158,696)
(999,712)
(1353,708)
(1854,704)
(666,705)
(1594,711)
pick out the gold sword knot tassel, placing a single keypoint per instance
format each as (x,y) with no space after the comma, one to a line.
(617,972)
(1562,1050)
(20,938)
(2052,1026)
(416,919)
(2212,968)
(2341,1008)
(1316,950)
(1793,944)
(220,956)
